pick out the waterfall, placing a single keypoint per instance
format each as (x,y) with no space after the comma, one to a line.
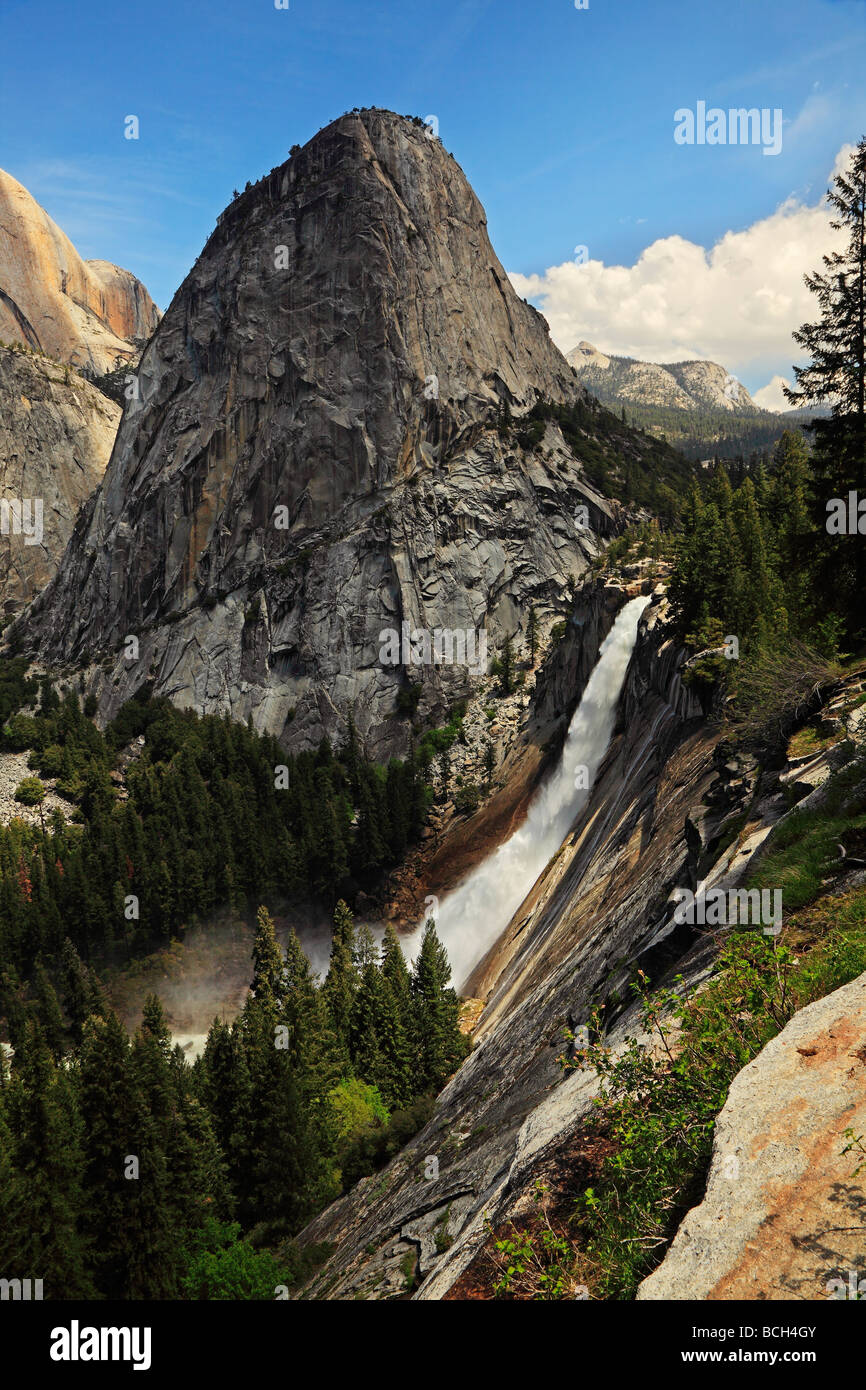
(472,917)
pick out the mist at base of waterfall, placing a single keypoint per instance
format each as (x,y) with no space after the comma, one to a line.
(217,964)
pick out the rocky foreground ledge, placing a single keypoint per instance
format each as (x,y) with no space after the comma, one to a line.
(784,1215)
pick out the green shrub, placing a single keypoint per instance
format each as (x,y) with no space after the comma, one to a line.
(20,733)
(805,846)
(222,1267)
(49,761)
(376,1148)
(30,792)
(358,1108)
(467,799)
(776,690)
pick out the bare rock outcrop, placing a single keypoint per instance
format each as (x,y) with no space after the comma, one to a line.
(56,436)
(83,312)
(784,1212)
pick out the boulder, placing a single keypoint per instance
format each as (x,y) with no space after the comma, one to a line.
(785,1211)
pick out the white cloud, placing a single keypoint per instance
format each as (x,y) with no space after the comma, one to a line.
(772,397)
(843,159)
(736,303)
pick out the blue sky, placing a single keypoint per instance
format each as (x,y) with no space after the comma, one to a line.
(562,120)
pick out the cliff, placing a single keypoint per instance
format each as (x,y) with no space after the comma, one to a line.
(318,456)
(85,313)
(527,735)
(56,435)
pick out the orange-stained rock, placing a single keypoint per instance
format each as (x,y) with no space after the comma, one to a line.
(82,312)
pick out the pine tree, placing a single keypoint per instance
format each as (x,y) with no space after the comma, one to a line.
(444,774)
(125,1177)
(268,983)
(162,1198)
(11,1197)
(49,1012)
(507,667)
(836,344)
(489,762)
(438,1043)
(399,808)
(338,991)
(368,852)
(83,996)
(284,1174)
(225,1087)
(397,1082)
(396,972)
(316,1058)
(366,1023)
(683,591)
(751,603)
(364,950)
(532,633)
(790,510)
(46,1204)
(351,756)
(719,492)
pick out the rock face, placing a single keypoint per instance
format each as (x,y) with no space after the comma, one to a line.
(783,1213)
(56,435)
(585,355)
(82,312)
(315,456)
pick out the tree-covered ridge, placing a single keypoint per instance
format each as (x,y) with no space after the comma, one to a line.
(126,1174)
(620,462)
(709,434)
(700,431)
(737,557)
(743,590)
(216,816)
(123,1172)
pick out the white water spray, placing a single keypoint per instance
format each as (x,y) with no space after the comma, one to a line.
(475,914)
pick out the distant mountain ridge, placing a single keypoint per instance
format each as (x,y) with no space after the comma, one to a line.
(699,406)
(695,385)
